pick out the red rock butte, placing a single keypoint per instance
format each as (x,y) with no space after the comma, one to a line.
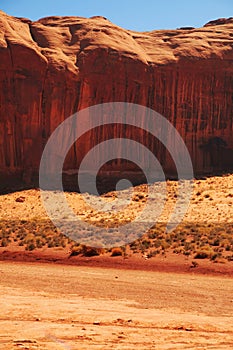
(56,66)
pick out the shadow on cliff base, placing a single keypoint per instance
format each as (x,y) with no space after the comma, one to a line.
(104,183)
(216,153)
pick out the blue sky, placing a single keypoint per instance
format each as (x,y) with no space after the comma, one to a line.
(138,15)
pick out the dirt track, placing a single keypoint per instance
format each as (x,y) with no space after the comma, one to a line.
(69,307)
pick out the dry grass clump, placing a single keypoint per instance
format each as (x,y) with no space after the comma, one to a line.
(117,251)
(197,240)
(82,249)
(204,240)
(31,234)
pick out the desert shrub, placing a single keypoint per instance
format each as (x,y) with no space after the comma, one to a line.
(145,243)
(224,242)
(164,245)
(91,251)
(76,250)
(29,238)
(204,253)
(187,252)
(152,235)
(31,246)
(51,244)
(133,245)
(215,256)
(5,242)
(85,251)
(57,241)
(177,250)
(168,240)
(157,243)
(63,243)
(116,251)
(201,255)
(216,242)
(39,242)
(4,233)
(152,253)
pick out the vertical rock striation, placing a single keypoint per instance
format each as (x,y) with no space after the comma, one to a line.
(54,67)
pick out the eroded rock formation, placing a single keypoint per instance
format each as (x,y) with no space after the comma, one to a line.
(51,68)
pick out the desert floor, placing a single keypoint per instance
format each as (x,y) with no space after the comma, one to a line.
(51,306)
(115,303)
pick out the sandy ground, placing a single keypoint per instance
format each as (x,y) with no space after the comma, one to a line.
(116,303)
(74,307)
(211,201)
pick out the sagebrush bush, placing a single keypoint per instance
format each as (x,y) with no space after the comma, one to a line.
(116,251)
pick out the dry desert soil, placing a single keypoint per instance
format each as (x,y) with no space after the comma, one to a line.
(50,307)
(123,302)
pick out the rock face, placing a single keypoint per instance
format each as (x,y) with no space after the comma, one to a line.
(54,67)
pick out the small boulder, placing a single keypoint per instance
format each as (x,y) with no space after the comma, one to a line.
(20,199)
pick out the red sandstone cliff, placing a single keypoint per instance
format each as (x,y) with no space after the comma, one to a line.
(51,68)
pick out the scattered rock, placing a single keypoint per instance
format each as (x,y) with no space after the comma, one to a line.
(188,329)
(194,264)
(25,341)
(183,328)
(20,199)
(219,21)
(185,28)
